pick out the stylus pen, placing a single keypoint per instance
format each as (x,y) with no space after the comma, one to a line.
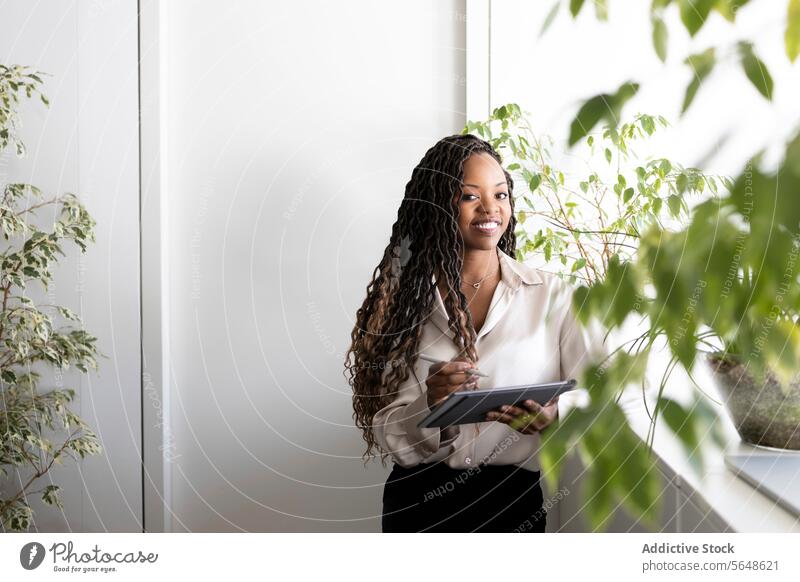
(435,361)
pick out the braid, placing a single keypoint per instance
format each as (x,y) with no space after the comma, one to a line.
(401,296)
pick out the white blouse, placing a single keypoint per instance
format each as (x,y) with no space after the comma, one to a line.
(530,335)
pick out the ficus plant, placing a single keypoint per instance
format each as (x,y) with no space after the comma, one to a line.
(37,427)
(725,287)
(588,225)
(720,282)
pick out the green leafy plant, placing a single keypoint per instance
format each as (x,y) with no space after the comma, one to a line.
(725,285)
(32,421)
(722,283)
(579,220)
(589,225)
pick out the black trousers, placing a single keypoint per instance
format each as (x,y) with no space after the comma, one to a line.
(486,498)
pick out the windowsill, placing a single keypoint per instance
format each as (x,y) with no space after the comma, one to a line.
(725,497)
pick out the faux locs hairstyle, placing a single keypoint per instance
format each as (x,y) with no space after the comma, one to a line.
(425,242)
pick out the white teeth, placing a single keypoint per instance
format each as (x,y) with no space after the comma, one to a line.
(486,225)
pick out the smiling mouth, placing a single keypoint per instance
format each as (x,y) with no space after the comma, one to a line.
(488,227)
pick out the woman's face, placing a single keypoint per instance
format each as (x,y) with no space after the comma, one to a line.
(484,203)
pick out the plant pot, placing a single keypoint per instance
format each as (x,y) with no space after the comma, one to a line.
(765,413)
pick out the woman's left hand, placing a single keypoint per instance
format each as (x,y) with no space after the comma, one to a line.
(530,419)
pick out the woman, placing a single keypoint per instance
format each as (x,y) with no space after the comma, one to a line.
(448,286)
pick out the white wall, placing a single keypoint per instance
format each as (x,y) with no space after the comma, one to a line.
(293,128)
(87,142)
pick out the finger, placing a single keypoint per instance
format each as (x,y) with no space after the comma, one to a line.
(450,388)
(532,406)
(510,411)
(456,367)
(501,416)
(514,410)
(520,423)
(444,377)
(525,423)
(456,379)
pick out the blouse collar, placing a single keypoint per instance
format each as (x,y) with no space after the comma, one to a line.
(513,274)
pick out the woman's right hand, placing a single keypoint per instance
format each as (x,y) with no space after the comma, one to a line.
(448,377)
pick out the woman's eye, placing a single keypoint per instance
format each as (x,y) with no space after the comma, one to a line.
(467,196)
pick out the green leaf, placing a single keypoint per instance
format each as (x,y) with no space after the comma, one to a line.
(558,444)
(674,203)
(575,7)
(682,182)
(694,13)
(601,9)
(660,36)
(551,16)
(51,497)
(601,509)
(755,70)
(588,116)
(729,8)
(578,264)
(627,194)
(680,422)
(701,65)
(792,36)
(535,180)
(604,106)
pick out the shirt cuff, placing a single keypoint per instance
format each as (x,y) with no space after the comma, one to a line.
(427,439)
(450,434)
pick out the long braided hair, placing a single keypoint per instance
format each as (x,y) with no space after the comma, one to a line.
(425,242)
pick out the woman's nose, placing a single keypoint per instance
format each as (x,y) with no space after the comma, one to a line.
(489,206)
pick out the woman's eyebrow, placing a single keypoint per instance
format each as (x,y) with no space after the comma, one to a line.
(476,186)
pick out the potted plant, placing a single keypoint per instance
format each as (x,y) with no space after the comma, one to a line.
(732,298)
(750,343)
(33,421)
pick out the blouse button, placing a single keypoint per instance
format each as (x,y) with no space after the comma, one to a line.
(467,460)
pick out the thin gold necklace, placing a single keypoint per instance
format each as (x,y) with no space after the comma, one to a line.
(478,284)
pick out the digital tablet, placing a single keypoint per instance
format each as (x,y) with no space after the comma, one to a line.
(470,407)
